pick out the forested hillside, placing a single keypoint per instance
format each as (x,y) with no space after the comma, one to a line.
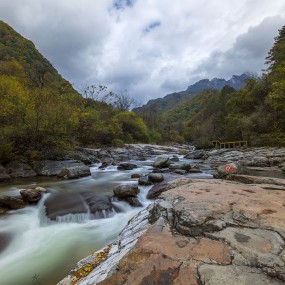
(255,113)
(40,112)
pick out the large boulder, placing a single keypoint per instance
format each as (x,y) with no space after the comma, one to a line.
(228,169)
(126,166)
(162,161)
(155,177)
(156,190)
(53,168)
(144,180)
(19,169)
(75,172)
(97,203)
(128,193)
(31,195)
(61,204)
(12,202)
(126,190)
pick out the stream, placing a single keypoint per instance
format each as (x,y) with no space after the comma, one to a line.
(38,251)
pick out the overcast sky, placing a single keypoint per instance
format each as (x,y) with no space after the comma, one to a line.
(148,47)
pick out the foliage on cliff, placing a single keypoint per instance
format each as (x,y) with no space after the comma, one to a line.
(255,113)
(40,111)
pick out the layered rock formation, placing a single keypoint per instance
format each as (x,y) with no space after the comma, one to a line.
(204,232)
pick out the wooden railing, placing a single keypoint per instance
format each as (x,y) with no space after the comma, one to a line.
(233,144)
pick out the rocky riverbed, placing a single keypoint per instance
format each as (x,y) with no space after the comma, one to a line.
(203,232)
(216,232)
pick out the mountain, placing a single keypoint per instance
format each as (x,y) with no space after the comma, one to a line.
(161,105)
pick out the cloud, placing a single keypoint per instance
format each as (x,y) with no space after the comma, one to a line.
(149,47)
(247,53)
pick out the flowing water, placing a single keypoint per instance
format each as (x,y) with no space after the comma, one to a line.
(37,251)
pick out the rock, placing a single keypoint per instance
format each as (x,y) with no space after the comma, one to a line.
(136,175)
(12,202)
(74,172)
(41,189)
(122,244)
(97,203)
(19,169)
(159,170)
(162,161)
(180,171)
(228,169)
(133,201)
(126,166)
(197,154)
(53,168)
(126,190)
(4,176)
(283,168)
(103,165)
(247,179)
(204,232)
(182,166)
(62,204)
(174,158)
(3,210)
(144,180)
(195,169)
(31,195)
(156,190)
(241,275)
(155,177)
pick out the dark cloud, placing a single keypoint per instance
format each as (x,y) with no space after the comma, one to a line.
(247,54)
(150,48)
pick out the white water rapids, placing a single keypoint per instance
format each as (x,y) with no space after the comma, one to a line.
(41,251)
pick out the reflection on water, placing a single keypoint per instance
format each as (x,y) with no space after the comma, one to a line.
(50,250)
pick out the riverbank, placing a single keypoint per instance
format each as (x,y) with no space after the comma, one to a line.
(204,232)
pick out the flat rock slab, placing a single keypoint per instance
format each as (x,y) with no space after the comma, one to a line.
(210,232)
(234,275)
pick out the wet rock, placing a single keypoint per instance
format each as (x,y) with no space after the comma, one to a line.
(19,169)
(3,210)
(103,165)
(31,195)
(182,166)
(133,201)
(144,180)
(174,158)
(155,177)
(74,172)
(53,168)
(97,203)
(126,166)
(136,175)
(160,170)
(195,169)
(62,204)
(126,190)
(156,190)
(180,171)
(197,154)
(41,189)
(4,176)
(162,161)
(12,202)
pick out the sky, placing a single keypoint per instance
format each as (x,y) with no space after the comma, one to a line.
(148,48)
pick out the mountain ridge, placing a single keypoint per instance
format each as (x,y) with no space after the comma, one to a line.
(161,105)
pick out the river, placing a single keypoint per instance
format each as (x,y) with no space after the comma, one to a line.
(37,251)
